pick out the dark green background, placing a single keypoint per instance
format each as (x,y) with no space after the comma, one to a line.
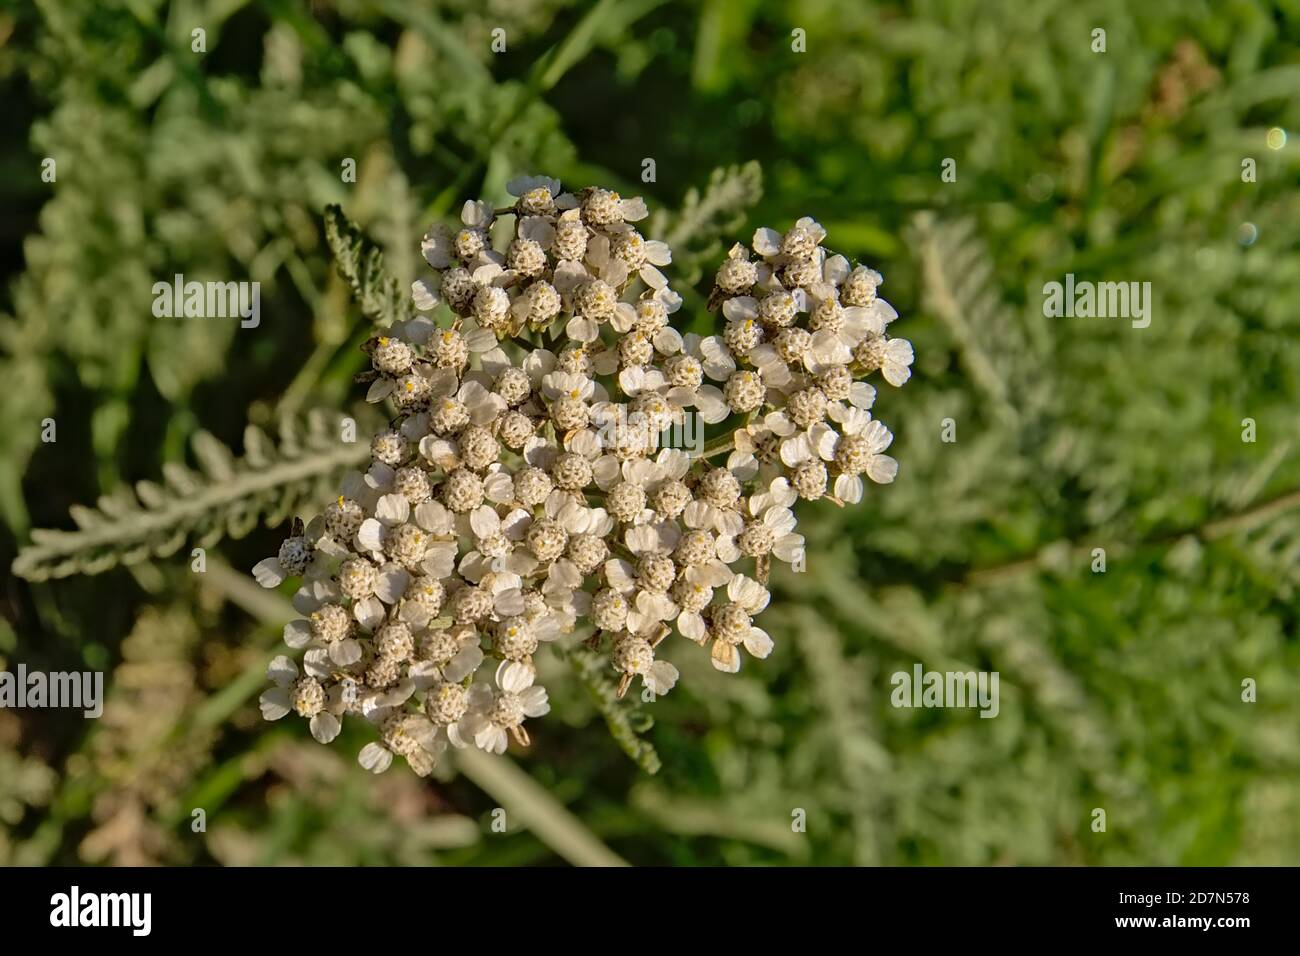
(1120,691)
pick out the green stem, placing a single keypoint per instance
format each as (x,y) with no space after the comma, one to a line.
(724,442)
(525,799)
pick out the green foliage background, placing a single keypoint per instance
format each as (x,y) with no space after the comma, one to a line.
(1120,690)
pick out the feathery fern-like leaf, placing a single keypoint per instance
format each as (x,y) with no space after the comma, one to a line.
(621,718)
(694,230)
(359,261)
(957,279)
(226,497)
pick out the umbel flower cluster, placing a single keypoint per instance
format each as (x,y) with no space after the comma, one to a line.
(521,495)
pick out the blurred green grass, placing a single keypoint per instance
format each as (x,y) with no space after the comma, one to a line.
(1120,690)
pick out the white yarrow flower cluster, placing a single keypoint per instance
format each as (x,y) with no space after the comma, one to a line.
(521,495)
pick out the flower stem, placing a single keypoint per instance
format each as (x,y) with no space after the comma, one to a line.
(724,442)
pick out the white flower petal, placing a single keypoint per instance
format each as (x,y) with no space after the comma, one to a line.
(325,727)
(634,209)
(393,509)
(345,652)
(392,584)
(370,536)
(375,758)
(369,612)
(282,671)
(379,390)
(758,642)
(535,701)
(297,634)
(514,676)
(274,703)
(268,573)
(725,657)
(425,295)
(882,469)
(862,395)
(848,488)
(766,242)
(661,678)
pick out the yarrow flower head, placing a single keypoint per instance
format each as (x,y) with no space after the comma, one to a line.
(519,496)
